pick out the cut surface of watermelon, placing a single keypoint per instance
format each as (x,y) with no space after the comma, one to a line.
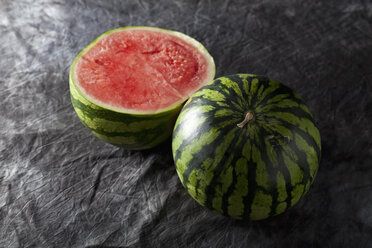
(142,70)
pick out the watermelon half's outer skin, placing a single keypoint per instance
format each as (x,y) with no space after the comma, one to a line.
(246,146)
(140,112)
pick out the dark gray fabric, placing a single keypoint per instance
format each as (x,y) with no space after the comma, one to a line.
(62,187)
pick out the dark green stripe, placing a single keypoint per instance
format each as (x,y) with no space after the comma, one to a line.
(296,111)
(148,132)
(252,174)
(200,101)
(281,90)
(310,140)
(282,167)
(233,99)
(282,98)
(236,143)
(302,156)
(210,189)
(302,160)
(143,137)
(252,187)
(229,95)
(111,115)
(252,179)
(201,130)
(272,171)
(287,177)
(239,81)
(210,149)
(208,122)
(261,81)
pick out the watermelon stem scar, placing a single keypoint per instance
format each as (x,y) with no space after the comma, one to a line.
(249,116)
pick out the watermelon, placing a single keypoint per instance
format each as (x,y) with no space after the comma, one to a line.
(246,146)
(129,85)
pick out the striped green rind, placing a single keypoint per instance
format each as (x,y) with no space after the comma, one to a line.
(130,129)
(253,172)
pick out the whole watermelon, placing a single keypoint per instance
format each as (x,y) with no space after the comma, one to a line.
(246,146)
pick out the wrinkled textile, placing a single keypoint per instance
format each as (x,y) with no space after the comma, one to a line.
(60,186)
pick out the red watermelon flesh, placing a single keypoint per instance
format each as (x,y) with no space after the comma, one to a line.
(141,70)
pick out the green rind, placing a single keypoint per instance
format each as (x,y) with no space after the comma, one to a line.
(254,172)
(130,131)
(126,128)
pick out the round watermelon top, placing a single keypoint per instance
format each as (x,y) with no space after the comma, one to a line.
(142,69)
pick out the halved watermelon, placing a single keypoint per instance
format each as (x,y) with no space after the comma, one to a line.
(129,85)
